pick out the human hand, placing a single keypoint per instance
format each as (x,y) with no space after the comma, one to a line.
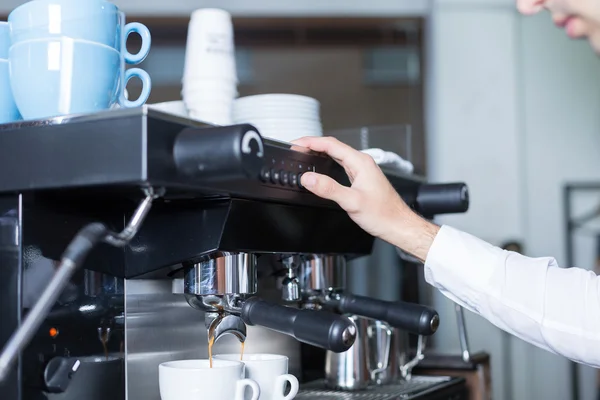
(370,201)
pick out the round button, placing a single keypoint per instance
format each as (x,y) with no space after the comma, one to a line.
(284,178)
(293,179)
(300,180)
(265,174)
(274,176)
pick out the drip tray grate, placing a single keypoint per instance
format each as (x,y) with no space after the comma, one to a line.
(396,391)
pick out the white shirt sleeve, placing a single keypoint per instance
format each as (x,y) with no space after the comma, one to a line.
(554,308)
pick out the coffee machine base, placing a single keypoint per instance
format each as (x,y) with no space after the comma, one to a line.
(417,388)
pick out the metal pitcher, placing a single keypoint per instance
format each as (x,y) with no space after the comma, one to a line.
(394,347)
(370,354)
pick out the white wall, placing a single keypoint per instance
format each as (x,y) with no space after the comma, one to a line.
(472,136)
(561,92)
(513,111)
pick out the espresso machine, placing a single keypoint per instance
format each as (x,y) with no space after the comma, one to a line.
(130,237)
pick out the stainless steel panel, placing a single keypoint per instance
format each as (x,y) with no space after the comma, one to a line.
(160,326)
(321,273)
(222,274)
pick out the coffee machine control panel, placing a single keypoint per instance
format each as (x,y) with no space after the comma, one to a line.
(239,162)
(285,174)
(284,166)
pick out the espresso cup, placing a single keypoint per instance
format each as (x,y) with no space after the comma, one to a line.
(195,379)
(62,76)
(8,109)
(127,75)
(91,20)
(270,371)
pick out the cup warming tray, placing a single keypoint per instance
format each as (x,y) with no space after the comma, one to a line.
(419,387)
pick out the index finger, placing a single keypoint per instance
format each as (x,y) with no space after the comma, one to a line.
(342,153)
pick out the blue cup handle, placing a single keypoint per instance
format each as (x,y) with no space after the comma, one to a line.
(146,88)
(140,29)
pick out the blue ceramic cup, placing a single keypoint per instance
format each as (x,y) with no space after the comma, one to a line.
(8,108)
(4,40)
(146,87)
(63,76)
(96,21)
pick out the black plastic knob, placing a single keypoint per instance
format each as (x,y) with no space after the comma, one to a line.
(318,328)
(414,318)
(226,152)
(449,198)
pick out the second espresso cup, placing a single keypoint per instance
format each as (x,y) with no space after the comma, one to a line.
(4,39)
(55,77)
(196,379)
(8,109)
(270,371)
(96,21)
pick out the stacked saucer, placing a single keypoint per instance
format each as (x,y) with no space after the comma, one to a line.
(283,117)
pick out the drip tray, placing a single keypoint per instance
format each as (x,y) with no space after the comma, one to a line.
(419,387)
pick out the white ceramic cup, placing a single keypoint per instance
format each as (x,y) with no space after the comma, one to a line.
(270,372)
(194,379)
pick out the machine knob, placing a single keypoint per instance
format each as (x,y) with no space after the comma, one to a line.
(58,373)
(449,198)
(224,153)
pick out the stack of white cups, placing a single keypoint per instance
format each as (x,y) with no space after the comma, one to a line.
(210,76)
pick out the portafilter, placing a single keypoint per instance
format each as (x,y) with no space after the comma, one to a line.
(224,284)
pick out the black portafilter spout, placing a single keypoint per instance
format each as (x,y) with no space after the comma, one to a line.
(447,198)
(414,318)
(226,152)
(318,328)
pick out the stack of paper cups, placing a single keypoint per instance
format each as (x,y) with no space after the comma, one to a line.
(210,76)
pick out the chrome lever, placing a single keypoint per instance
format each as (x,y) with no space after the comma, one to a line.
(462,333)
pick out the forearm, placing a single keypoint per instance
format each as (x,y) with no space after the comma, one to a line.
(413,234)
(554,308)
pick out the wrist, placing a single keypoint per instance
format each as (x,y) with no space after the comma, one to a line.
(414,234)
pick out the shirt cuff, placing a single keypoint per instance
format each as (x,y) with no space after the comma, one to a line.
(461,266)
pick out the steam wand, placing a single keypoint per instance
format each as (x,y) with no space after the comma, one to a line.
(72,259)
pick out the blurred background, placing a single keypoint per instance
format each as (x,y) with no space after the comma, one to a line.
(507,104)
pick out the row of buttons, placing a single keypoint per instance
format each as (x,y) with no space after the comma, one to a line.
(281,177)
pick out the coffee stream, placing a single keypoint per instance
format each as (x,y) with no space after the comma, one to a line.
(211,341)
(104,340)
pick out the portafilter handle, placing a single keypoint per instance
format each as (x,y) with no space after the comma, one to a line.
(318,328)
(414,318)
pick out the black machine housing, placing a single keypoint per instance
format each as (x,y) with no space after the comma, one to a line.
(222,189)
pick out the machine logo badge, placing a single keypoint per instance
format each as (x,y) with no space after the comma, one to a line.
(247,139)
